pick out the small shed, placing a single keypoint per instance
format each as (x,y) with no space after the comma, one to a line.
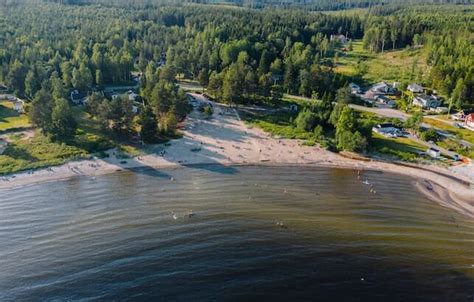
(434,153)
(19,106)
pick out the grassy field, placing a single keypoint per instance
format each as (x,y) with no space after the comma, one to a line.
(277,125)
(401,147)
(390,66)
(10,119)
(462,133)
(36,153)
(280,125)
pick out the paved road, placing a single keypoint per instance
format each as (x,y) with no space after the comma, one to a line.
(386,112)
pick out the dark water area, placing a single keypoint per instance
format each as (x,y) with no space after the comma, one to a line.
(115,238)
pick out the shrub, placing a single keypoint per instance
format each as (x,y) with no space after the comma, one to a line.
(430,135)
(306,120)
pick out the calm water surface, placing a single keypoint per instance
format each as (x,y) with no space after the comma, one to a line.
(115,238)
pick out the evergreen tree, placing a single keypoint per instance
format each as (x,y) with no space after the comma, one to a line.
(347,137)
(149,125)
(63,123)
(40,111)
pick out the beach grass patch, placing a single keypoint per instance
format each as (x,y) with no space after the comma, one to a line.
(37,152)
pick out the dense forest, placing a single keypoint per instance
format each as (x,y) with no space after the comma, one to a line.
(48,49)
(300,4)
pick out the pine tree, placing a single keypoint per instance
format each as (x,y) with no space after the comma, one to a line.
(149,125)
(63,123)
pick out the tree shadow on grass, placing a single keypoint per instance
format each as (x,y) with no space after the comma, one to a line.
(19,153)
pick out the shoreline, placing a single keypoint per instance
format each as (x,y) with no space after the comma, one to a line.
(226,141)
(448,191)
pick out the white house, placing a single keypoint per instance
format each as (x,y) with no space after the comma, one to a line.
(388,130)
(415,88)
(434,153)
(426,101)
(381,87)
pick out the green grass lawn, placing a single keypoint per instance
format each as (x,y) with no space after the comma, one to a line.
(453,145)
(10,119)
(279,125)
(401,147)
(35,153)
(462,133)
(287,99)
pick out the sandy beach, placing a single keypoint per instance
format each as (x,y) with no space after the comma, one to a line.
(226,140)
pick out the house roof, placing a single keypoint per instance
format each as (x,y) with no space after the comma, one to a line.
(425,97)
(386,125)
(381,85)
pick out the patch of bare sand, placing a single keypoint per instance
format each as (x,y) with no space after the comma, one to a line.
(446,198)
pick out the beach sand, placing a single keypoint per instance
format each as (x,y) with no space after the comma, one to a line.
(226,140)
